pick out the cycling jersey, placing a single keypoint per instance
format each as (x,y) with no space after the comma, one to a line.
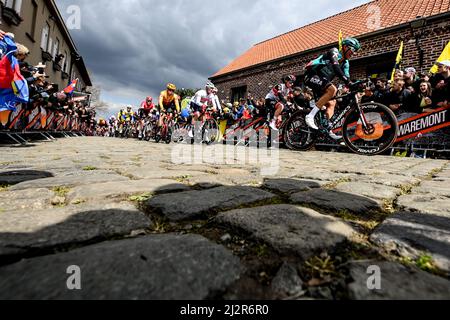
(146,106)
(145,109)
(279,93)
(126,116)
(202,98)
(328,66)
(167,101)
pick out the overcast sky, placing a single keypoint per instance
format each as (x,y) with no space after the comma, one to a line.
(133,48)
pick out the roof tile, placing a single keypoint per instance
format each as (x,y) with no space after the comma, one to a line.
(324,32)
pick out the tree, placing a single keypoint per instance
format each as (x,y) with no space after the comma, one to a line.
(184,93)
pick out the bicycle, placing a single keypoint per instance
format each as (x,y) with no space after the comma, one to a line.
(164,133)
(367,129)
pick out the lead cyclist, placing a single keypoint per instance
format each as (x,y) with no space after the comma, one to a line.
(319,76)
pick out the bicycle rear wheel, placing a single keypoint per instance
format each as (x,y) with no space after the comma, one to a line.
(211,132)
(380,133)
(298,136)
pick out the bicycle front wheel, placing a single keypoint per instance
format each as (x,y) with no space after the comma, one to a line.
(371,132)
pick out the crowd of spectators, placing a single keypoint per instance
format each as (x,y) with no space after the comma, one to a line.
(412,93)
(46,96)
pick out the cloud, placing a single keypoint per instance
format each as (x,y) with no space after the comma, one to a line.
(134,48)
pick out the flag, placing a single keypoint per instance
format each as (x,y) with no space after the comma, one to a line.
(444,56)
(71,88)
(398,61)
(341,39)
(13,86)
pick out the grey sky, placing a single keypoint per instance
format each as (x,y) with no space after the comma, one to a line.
(133,48)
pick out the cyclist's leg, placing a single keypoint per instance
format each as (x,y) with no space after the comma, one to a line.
(326,90)
(330,93)
(330,106)
(279,107)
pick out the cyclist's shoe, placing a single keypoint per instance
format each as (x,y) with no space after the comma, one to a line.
(311,122)
(191,133)
(334,136)
(273,125)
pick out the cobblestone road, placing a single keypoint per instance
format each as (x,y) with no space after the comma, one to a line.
(140,224)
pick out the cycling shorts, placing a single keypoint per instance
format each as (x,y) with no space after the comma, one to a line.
(318,84)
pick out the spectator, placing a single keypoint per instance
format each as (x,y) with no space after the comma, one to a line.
(424,77)
(22,52)
(398,98)
(260,108)
(240,109)
(422,100)
(399,74)
(380,90)
(440,83)
(412,82)
(369,95)
(301,98)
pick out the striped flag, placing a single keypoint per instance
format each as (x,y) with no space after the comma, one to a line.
(71,88)
(13,86)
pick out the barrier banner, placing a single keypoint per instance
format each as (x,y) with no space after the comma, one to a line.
(50,119)
(43,118)
(15,116)
(4,117)
(424,123)
(59,122)
(66,122)
(33,117)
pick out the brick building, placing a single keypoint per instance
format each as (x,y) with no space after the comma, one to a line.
(381,25)
(39,26)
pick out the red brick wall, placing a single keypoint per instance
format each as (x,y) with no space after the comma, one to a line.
(259,80)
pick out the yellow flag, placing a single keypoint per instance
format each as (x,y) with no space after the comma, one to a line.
(398,61)
(444,56)
(341,39)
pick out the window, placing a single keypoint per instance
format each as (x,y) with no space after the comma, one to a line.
(50,45)
(44,38)
(34,19)
(238,93)
(64,62)
(14,4)
(67,68)
(55,48)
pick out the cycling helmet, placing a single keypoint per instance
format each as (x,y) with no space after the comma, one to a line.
(352,43)
(289,78)
(210,85)
(149,99)
(171,86)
